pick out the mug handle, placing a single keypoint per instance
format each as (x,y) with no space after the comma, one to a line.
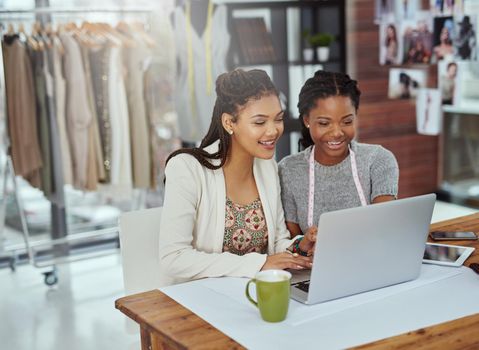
(247,292)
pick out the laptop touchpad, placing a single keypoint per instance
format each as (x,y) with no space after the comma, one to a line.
(300,276)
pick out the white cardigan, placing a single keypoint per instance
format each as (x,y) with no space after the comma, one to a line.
(193,221)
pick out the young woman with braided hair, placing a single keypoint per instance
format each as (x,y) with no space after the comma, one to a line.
(222,212)
(334,171)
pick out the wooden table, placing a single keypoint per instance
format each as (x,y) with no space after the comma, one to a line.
(165,324)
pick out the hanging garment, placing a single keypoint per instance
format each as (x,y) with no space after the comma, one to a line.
(99,65)
(37,60)
(60,94)
(96,172)
(21,113)
(78,114)
(201,58)
(56,195)
(121,175)
(136,60)
(428,112)
(163,130)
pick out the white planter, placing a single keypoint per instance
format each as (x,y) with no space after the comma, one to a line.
(308,54)
(322,53)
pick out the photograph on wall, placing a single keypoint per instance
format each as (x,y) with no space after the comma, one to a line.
(447,7)
(428,112)
(416,36)
(383,8)
(471,6)
(447,75)
(465,39)
(406,9)
(404,83)
(388,42)
(443,37)
(466,92)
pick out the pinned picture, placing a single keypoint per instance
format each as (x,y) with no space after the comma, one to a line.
(447,73)
(465,40)
(417,39)
(466,92)
(447,7)
(428,112)
(443,38)
(404,83)
(383,8)
(388,42)
(406,9)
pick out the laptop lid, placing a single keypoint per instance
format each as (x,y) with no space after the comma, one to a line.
(366,248)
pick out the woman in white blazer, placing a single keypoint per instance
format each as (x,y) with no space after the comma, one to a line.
(222,213)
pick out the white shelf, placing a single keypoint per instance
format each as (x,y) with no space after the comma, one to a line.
(460,110)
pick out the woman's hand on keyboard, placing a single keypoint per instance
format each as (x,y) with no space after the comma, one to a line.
(287,260)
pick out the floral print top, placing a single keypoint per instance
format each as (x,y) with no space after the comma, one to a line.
(245,228)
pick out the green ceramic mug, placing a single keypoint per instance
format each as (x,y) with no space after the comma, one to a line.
(272,294)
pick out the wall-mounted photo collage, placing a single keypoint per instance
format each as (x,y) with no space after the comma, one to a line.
(411,38)
(445,34)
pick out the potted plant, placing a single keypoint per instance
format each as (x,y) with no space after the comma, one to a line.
(322,41)
(308,51)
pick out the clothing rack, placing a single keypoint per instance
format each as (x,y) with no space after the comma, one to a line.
(59,230)
(51,10)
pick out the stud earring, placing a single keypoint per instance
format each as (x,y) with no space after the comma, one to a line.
(230,132)
(307,126)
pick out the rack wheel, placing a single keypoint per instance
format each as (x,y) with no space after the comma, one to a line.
(51,278)
(12,263)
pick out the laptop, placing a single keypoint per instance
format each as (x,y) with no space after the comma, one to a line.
(365,248)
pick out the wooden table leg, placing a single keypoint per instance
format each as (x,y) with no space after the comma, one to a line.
(145,338)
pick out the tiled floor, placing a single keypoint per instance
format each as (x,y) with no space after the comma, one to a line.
(79,312)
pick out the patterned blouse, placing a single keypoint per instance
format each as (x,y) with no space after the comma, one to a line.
(245,228)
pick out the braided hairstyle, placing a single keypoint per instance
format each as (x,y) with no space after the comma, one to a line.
(233,90)
(323,85)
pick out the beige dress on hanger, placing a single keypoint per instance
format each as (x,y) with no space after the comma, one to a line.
(78,113)
(121,172)
(60,94)
(96,171)
(22,123)
(136,60)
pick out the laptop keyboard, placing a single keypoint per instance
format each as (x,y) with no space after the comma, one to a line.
(304,286)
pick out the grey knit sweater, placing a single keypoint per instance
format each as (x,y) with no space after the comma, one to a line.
(334,185)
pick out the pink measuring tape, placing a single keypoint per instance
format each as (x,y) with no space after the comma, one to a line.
(354,168)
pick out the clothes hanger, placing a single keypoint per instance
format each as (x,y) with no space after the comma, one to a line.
(42,35)
(124,38)
(83,36)
(10,29)
(56,39)
(137,28)
(94,35)
(29,40)
(96,29)
(36,30)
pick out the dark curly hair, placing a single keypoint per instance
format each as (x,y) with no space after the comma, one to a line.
(233,91)
(323,85)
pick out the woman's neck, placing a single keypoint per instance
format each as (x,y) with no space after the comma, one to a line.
(238,167)
(327,160)
(239,179)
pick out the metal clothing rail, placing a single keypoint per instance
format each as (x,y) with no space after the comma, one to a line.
(59,230)
(52,10)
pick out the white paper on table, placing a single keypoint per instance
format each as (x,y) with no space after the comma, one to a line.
(300,313)
(230,312)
